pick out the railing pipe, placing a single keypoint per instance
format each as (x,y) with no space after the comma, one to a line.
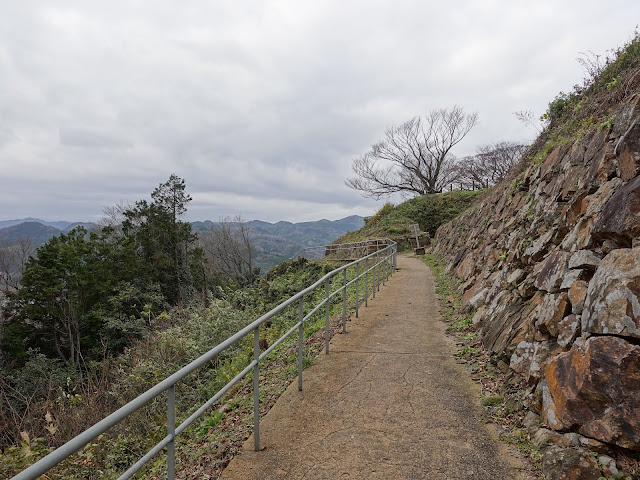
(168,384)
(171,432)
(327,289)
(344,301)
(256,389)
(357,284)
(366,281)
(300,339)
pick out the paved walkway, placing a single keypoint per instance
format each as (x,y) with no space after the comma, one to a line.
(388,402)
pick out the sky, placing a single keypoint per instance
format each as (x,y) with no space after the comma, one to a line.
(260,105)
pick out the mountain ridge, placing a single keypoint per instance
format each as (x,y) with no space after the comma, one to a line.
(274,242)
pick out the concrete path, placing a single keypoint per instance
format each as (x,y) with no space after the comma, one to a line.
(388,402)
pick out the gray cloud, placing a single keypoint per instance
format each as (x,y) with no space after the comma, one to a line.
(262,105)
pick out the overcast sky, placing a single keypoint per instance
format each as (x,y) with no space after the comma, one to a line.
(262,105)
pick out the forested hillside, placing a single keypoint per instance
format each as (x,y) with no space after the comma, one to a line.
(98,317)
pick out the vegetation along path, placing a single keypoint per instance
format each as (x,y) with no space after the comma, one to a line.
(388,402)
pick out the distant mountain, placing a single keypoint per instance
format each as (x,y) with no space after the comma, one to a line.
(9,223)
(275,242)
(36,231)
(39,231)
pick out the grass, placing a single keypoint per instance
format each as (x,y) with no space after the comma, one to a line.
(428,211)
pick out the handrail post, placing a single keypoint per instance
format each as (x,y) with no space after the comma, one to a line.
(171,432)
(383,266)
(344,301)
(327,288)
(256,389)
(300,338)
(366,281)
(387,265)
(374,274)
(395,257)
(378,270)
(357,286)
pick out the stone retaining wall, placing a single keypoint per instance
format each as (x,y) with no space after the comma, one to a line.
(551,265)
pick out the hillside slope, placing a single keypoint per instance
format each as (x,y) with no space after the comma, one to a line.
(428,211)
(550,264)
(277,242)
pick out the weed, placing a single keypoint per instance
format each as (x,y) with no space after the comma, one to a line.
(465,351)
(492,400)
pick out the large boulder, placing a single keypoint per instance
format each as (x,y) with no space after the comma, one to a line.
(620,217)
(550,272)
(612,305)
(596,390)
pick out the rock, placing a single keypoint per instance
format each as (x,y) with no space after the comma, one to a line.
(626,116)
(571,277)
(552,161)
(569,464)
(577,295)
(612,305)
(544,436)
(609,246)
(568,330)
(503,331)
(597,201)
(536,400)
(539,247)
(628,151)
(584,259)
(620,217)
(550,411)
(526,289)
(594,445)
(595,389)
(551,271)
(459,256)
(628,163)
(531,419)
(522,357)
(514,277)
(478,299)
(466,267)
(553,309)
(580,237)
(609,467)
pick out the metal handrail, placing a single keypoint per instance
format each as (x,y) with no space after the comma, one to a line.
(382,266)
(331,251)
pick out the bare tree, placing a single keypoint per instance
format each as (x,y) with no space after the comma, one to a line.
(414,157)
(530,120)
(229,250)
(13,259)
(489,165)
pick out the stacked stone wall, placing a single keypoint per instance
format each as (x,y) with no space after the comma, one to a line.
(550,263)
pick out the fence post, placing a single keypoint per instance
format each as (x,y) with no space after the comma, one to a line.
(395,257)
(366,281)
(374,275)
(171,431)
(378,270)
(256,390)
(383,266)
(344,301)
(327,288)
(300,338)
(357,281)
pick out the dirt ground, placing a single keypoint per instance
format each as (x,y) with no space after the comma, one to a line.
(388,402)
